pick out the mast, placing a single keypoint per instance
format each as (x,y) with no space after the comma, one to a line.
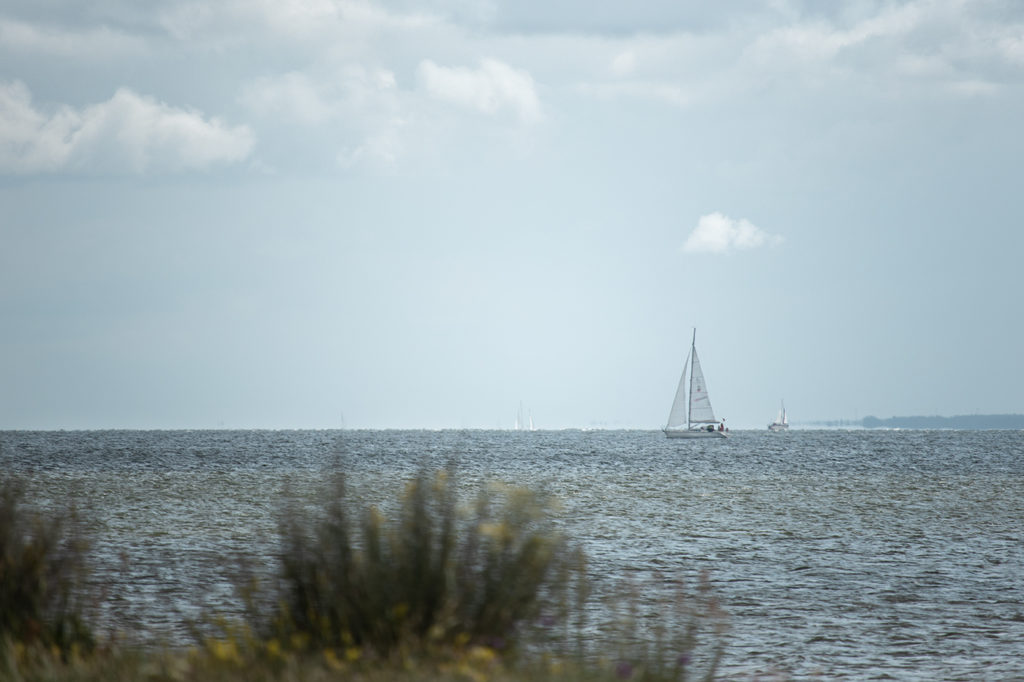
(689,395)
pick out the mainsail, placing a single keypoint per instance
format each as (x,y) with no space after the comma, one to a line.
(700,403)
(677,416)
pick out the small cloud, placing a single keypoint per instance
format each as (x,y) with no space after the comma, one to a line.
(718,233)
(381,151)
(127,133)
(493,87)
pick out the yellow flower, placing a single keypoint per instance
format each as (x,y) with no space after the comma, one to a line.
(224,650)
(332,660)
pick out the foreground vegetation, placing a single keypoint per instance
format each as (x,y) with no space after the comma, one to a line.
(429,589)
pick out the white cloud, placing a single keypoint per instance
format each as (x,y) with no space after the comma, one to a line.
(127,133)
(718,233)
(490,89)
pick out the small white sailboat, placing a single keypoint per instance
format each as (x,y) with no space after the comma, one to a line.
(781,422)
(524,424)
(691,415)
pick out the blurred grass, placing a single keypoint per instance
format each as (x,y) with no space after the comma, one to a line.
(42,573)
(428,589)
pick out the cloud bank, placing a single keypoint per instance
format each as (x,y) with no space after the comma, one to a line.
(363,78)
(129,133)
(718,233)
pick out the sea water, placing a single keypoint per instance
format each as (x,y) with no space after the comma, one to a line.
(836,554)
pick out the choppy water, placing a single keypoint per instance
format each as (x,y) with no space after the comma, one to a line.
(839,554)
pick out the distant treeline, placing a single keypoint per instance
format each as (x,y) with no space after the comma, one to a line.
(964,421)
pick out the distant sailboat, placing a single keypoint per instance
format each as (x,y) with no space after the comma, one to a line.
(524,424)
(691,415)
(781,422)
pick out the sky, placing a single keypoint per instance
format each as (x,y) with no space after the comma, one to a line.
(340,213)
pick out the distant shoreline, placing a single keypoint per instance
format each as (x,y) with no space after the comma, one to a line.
(964,421)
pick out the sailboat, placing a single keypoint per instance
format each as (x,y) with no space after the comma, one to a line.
(521,424)
(691,415)
(781,422)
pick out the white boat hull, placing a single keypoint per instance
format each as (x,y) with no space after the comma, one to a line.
(694,433)
(778,427)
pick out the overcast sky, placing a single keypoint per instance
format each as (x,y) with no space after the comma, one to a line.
(325,213)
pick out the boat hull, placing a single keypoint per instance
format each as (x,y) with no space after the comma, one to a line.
(778,427)
(694,433)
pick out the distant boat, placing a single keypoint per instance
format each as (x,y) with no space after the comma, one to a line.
(781,422)
(524,424)
(691,415)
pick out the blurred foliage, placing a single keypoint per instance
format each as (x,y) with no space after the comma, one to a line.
(427,577)
(42,576)
(434,589)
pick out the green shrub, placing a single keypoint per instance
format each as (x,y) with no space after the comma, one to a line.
(42,577)
(429,576)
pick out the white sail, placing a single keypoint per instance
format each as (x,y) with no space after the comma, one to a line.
(677,415)
(781,422)
(700,403)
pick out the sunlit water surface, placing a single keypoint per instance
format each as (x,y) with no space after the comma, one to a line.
(839,554)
